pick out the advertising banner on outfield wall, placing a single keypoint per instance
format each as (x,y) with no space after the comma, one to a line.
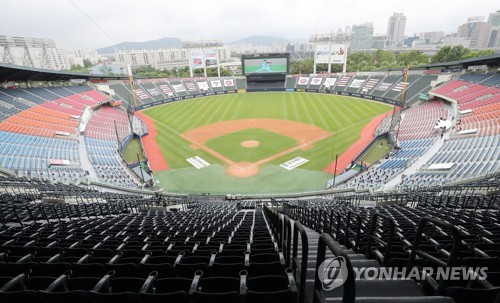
(216,83)
(203,86)
(336,52)
(316,81)
(303,81)
(329,82)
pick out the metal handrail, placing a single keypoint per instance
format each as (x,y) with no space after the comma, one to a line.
(349,291)
(300,267)
(372,238)
(452,259)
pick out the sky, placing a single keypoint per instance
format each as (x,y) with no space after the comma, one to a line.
(99,23)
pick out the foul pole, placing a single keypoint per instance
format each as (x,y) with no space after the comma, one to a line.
(131,82)
(403,98)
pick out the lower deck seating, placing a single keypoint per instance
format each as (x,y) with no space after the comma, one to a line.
(41,157)
(211,253)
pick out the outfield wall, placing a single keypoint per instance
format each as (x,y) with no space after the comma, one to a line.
(328,92)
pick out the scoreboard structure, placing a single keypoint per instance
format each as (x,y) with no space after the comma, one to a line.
(268,67)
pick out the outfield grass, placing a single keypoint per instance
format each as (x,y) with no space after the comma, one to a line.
(270,143)
(132,150)
(379,150)
(343,116)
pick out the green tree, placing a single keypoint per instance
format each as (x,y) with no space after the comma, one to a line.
(87,63)
(474,54)
(380,56)
(212,72)
(337,68)
(182,72)
(357,61)
(321,68)
(413,57)
(199,72)
(304,66)
(448,54)
(148,71)
(78,69)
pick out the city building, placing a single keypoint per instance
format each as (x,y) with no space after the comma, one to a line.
(380,42)
(163,58)
(362,36)
(494,18)
(494,21)
(43,53)
(396,29)
(477,31)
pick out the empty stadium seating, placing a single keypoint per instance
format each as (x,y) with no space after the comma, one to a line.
(40,131)
(210,253)
(106,247)
(393,237)
(378,85)
(151,90)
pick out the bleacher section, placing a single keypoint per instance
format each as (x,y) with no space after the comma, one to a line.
(102,144)
(108,247)
(222,250)
(419,122)
(441,228)
(476,156)
(386,86)
(51,112)
(400,159)
(472,148)
(416,135)
(154,90)
(470,95)
(106,122)
(40,157)
(41,140)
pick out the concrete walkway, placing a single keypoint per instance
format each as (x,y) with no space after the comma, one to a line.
(84,159)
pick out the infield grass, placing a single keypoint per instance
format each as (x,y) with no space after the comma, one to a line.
(270,143)
(343,116)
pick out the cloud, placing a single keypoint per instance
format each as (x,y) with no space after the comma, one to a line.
(126,20)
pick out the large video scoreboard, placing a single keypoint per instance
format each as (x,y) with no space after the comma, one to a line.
(265,64)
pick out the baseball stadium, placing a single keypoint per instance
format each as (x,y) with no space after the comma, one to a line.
(257,184)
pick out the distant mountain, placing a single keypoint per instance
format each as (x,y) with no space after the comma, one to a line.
(153,44)
(176,43)
(262,40)
(299,40)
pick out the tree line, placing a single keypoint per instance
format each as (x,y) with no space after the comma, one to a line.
(356,62)
(384,59)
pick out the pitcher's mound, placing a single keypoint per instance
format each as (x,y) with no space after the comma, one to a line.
(250,143)
(243,169)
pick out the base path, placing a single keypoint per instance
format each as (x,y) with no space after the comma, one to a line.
(346,158)
(304,134)
(153,150)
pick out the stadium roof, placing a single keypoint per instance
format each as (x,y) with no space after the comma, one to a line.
(9,72)
(490,60)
